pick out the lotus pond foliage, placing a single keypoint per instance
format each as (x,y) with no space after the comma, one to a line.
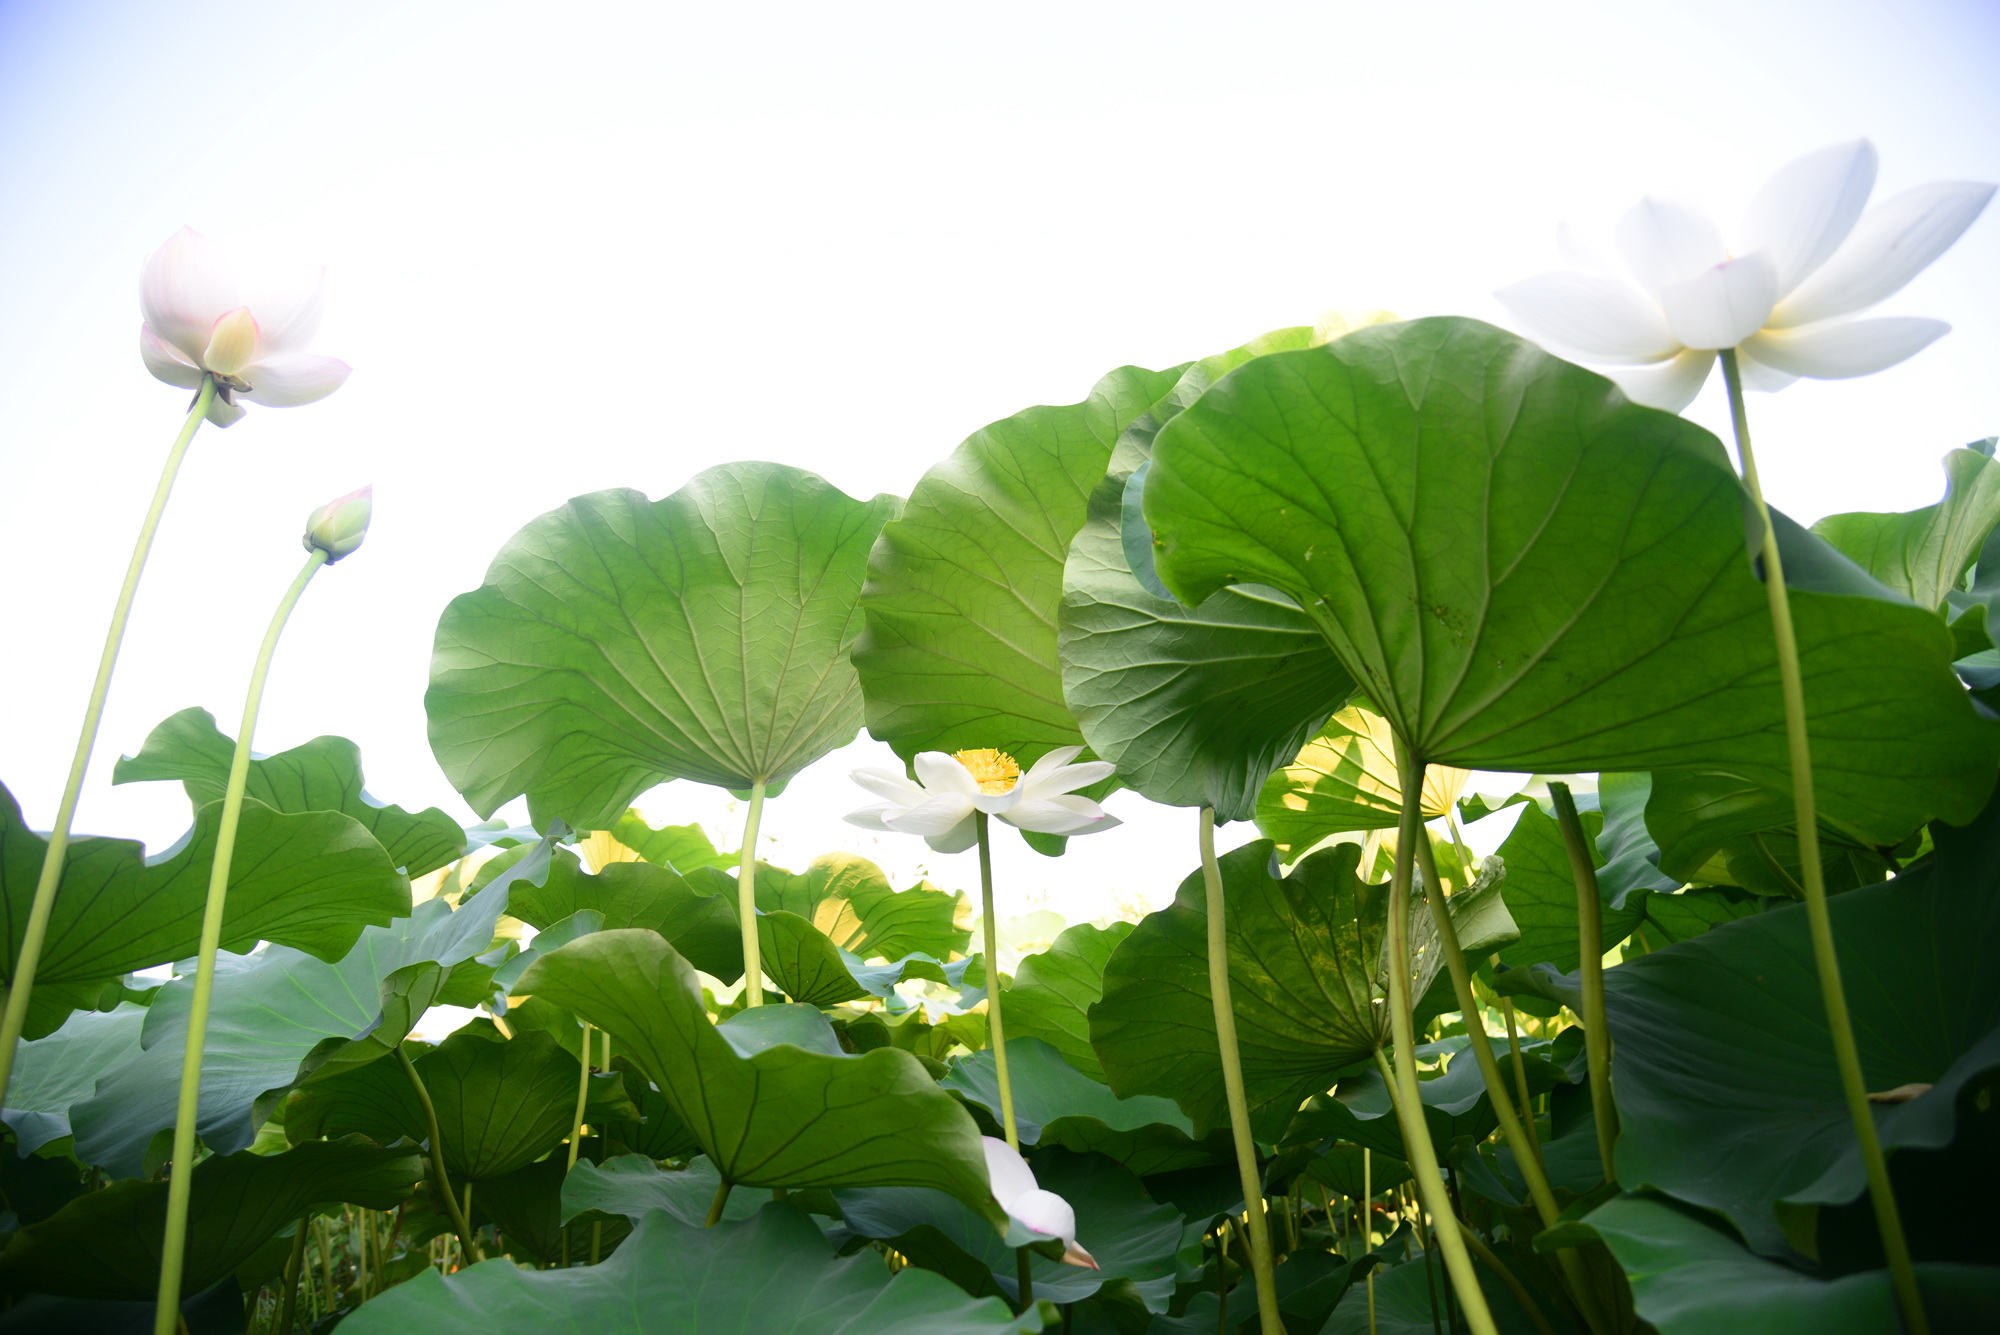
(1707,1041)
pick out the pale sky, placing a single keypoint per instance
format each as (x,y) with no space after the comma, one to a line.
(610,245)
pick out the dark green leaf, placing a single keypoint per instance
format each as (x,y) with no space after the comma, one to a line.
(1053,992)
(1411,1299)
(803,961)
(631,1185)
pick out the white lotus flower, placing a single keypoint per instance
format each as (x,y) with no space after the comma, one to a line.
(1785,298)
(951,789)
(1027,1204)
(211,310)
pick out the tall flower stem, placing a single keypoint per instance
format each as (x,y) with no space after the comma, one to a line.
(21,981)
(173,1248)
(460,1215)
(746,899)
(576,1122)
(289,1306)
(1402,1080)
(990,929)
(1826,960)
(1261,1269)
(1590,968)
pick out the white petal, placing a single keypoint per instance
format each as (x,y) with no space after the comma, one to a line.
(1007,1171)
(873,818)
(1759,377)
(187,285)
(1723,305)
(1838,349)
(1671,387)
(891,784)
(997,804)
(1808,207)
(934,817)
(1046,1213)
(1076,1255)
(166,362)
(1598,317)
(939,773)
(1061,815)
(1665,240)
(1586,255)
(1062,779)
(232,344)
(287,300)
(289,379)
(224,414)
(957,839)
(1893,243)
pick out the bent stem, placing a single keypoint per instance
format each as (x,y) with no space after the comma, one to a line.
(1881,1194)
(1590,967)
(173,1247)
(289,1308)
(746,899)
(21,980)
(460,1224)
(1232,1084)
(990,930)
(1402,1080)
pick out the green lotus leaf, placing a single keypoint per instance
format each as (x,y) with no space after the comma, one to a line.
(1716,827)
(680,848)
(1525,571)
(773,1274)
(1309,1284)
(106,1244)
(618,643)
(657,1131)
(54,1072)
(1728,1097)
(850,899)
(310,881)
(1689,1277)
(804,962)
(1053,991)
(271,1012)
(526,1207)
(632,1185)
(1057,1105)
(783,1116)
(1411,1299)
(322,775)
(696,910)
(959,649)
(1925,554)
(1343,780)
(1304,973)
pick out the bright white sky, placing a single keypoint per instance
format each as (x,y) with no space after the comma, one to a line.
(607,245)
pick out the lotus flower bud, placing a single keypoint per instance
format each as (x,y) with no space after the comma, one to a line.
(338,527)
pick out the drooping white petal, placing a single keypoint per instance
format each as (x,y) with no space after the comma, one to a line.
(232,344)
(933,817)
(1061,815)
(1007,1171)
(957,839)
(224,414)
(1894,242)
(1757,376)
(939,773)
(873,818)
(1671,386)
(166,362)
(1054,774)
(289,379)
(1808,207)
(1046,1213)
(890,784)
(1597,317)
(1665,240)
(1722,305)
(1842,348)
(288,300)
(995,804)
(186,285)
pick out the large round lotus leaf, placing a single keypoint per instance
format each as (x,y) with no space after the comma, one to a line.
(1053,991)
(774,1274)
(960,646)
(1343,780)
(1728,1097)
(1526,571)
(618,643)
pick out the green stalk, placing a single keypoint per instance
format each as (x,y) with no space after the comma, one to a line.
(460,1217)
(289,1308)
(1402,1080)
(990,926)
(1232,1084)
(1881,1194)
(173,1249)
(1520,1071)
(576,1122)
(21,980)
(715,1206)
(1024,1275)
(1368,1224)
(1590,966)
(746,900)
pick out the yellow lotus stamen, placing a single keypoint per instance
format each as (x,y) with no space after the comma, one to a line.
(994,771)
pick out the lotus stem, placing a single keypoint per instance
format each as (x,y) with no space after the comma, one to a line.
(461,1217)
(746,899)
(1402,1080)
(1024,1275)
(1368,1224)
(1506,1277)
(21,979)
(1590,967)
(715,1206)
(1261,1268)
(576,1122)
(1826,959)
(1520,1071)
(173,1247)
(990,927)
(289,1306)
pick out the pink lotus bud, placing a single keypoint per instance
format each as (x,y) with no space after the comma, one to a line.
(338,527)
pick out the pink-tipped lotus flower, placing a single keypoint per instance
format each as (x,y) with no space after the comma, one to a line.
(1807,261)
(1025,1202)
(211,310)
